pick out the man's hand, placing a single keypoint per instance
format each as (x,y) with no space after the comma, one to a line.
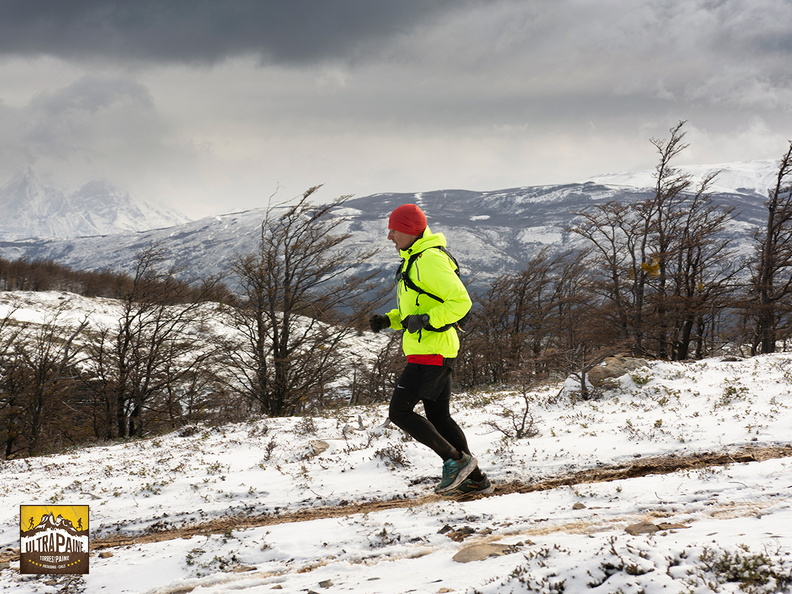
(416,322)
(379,322)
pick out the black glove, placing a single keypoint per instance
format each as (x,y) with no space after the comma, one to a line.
(379,322)
(416,322)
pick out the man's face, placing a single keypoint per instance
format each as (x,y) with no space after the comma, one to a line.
(401,240)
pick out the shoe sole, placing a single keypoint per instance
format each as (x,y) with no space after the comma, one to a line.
(484,491)
(463,473)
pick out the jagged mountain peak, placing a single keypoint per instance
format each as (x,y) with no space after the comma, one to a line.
(31,209)
(24,193)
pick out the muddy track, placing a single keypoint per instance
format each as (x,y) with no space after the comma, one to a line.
(634,469)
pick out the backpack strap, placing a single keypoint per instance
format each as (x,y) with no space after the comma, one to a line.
(404,276)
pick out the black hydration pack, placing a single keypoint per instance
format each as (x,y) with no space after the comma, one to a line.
(404,276)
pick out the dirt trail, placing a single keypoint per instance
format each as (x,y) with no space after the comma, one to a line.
(634,469)
(637,468)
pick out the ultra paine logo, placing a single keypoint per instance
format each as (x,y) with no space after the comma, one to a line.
(53,539)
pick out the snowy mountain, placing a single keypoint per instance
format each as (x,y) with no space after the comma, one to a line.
(31,209)
(491,233)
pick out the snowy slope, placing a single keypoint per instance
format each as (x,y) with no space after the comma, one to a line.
(342,504)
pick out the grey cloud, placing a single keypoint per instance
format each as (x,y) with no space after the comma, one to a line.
(93,128)
(91,111)
(206,31)
(467,92)
(657,49)
(91,94)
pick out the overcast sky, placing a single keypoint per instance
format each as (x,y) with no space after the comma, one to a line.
(211,106)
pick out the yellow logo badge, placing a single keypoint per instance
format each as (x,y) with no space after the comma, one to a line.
(53,539)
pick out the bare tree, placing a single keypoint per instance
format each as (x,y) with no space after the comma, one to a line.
(771,282)
(701,275)
(296,287)
(136,362)
(526,319)
(614,235)
(486,341)
(661,218)
(50,356)
(38,378)
(11,410)
(660,264)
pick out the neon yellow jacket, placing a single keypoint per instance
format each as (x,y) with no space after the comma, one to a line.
(434,272)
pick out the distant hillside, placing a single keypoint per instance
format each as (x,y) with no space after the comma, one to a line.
(746,177)
(491,233)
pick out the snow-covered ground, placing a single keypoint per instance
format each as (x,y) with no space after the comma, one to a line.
(342,504)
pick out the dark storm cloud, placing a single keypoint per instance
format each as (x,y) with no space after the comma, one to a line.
(196,31)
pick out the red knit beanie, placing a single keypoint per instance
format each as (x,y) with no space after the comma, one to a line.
(407,218)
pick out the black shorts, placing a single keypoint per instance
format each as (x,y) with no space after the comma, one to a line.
(424,382)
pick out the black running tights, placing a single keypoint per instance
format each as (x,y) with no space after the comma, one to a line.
(430,384)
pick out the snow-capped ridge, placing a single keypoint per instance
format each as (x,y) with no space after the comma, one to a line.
(31,209)
(743,177)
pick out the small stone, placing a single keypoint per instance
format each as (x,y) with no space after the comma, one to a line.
(106,554)
(579,505)
(480,552)
(319,446)
(642,528)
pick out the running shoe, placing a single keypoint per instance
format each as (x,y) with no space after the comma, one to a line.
(469,486)
(455,471)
